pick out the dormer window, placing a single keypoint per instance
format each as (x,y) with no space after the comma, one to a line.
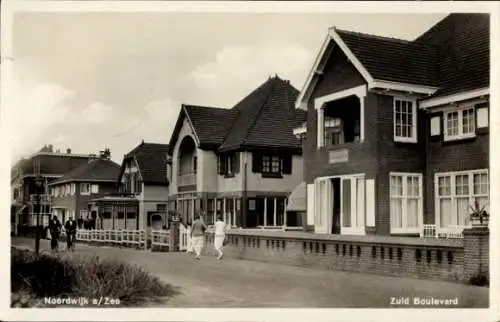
(405,120)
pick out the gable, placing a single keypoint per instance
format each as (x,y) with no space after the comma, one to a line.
(338,74)
(182,127)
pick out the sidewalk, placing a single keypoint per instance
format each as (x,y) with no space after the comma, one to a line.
(241,283)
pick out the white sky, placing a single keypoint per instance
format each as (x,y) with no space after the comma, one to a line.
(92,80)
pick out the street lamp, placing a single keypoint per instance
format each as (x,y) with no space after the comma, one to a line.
(39,184)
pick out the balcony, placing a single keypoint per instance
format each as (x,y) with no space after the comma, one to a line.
(186,180)
(43,198)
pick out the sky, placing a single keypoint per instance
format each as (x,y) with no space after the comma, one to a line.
(88,81)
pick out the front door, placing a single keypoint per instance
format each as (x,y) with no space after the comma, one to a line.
(336,206)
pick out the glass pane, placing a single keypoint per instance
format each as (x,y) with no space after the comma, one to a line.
(481,183)
(346,203)
(360,202)
(444,185)
(445,212)
(462,184)
(412,213)
(396,213)
(463,207)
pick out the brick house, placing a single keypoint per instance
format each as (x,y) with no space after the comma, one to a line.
(72,192)
(49,165)
(240,162)
(397,131)
(143,189)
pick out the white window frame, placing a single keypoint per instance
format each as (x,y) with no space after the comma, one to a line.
(453,195)
(404,216)
(413,138)
(82,192)
(94,188)
(460,135)
(73,189)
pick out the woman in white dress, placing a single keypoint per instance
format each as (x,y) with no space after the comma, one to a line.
(220,235)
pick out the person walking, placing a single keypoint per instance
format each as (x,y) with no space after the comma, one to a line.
(220,236)
(55,231)
(197,235)
(70,227)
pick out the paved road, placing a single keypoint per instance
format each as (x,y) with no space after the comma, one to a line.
(241,283)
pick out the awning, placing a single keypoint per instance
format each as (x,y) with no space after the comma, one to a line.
(297,199)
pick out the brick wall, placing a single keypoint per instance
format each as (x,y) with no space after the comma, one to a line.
(461,155)
(394,256)
(394,157)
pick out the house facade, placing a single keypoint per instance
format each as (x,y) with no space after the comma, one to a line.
(242,162)
(47,164)
(72,192)
(396,136)
(143,190)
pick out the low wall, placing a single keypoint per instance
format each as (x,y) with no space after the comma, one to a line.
(395,256)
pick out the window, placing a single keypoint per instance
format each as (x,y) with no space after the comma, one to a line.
(333,131)
(228,164)
(95,188)
(271,164)
(73,189)
(84,188)
(405,116)
(460,124)
(406,202)
(456,193)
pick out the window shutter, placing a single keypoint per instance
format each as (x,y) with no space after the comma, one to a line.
(236,162)
(482,118)
(222,163)
(436,129)
(256,162)
(287,164)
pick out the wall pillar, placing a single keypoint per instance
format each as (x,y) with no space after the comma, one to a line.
(321,127)
(476,252)
(275,211)
(265,211)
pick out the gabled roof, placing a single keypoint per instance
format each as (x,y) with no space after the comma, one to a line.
(96,170)
(211,124)
(263,119)
(266,118)
(463,42)
(151,160)
(450,57)
(394,60)
(51,163)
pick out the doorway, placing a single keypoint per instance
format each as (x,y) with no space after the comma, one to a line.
(336,206)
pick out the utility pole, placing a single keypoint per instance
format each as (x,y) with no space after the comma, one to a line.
(39,183)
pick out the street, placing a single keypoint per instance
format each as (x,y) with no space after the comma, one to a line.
(240,283)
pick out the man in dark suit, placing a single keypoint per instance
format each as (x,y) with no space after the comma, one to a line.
(70,228)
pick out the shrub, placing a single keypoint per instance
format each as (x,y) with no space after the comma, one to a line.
(49,275)
(479,280)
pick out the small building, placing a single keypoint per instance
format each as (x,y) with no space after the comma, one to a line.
(48,165)
(241,162)
(72,192)
(396,136)
(143,190)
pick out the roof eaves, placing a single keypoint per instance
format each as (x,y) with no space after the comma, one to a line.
(191,124)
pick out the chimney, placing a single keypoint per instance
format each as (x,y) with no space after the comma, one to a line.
(68,151)
(51,148)
(105,154)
